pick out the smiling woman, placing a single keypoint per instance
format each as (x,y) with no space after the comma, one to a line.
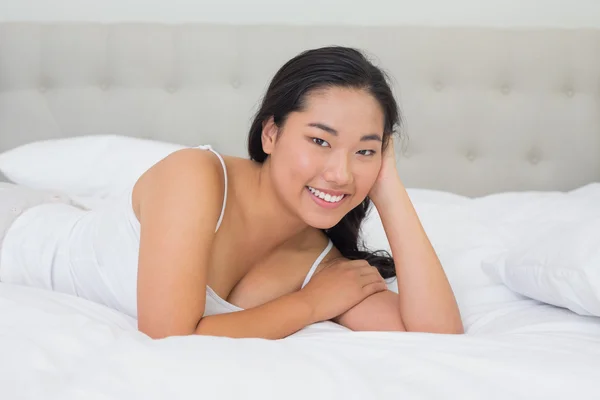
(323,144)
(320,151)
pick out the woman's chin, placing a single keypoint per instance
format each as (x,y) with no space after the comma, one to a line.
(321,221)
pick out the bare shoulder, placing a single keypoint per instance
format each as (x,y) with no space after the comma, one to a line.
(184,174)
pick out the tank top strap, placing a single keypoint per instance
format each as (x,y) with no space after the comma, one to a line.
(312,270)
(209,147)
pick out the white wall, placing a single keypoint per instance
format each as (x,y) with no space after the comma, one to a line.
(517,13)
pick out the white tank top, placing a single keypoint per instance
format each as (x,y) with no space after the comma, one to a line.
(91,254)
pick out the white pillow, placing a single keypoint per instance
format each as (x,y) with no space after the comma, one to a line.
(561,267)
(97,165)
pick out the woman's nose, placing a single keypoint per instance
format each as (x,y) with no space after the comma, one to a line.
(338,171)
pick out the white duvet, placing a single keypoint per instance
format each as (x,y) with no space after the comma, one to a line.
(54,346)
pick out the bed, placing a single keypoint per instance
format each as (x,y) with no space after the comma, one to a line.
(500,152)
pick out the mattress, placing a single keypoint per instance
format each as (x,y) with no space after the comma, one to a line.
(57,346)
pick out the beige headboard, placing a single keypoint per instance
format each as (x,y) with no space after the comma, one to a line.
(485,110)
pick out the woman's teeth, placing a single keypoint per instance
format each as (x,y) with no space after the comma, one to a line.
(324,196)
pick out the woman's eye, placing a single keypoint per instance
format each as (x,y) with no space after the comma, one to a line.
(366,152)
(320,142)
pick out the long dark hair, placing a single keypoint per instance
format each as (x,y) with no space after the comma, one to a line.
(320,68)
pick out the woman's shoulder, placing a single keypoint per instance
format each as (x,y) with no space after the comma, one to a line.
(185,172)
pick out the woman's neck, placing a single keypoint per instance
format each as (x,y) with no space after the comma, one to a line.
(263,219)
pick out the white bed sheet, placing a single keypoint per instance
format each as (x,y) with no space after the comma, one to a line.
(60,347)
(56,346)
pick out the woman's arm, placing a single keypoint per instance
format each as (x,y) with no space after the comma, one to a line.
(273,320)
(178,202)
(426,300)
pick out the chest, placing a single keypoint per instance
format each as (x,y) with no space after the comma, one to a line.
(253,284)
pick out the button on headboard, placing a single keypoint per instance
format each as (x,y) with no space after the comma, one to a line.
(485,110)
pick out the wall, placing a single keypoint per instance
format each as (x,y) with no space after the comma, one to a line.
(514,13)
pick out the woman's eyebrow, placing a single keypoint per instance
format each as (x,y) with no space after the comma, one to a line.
(328,129)
(323,127)
(372,136)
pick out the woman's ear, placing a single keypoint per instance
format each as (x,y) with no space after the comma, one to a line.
(269,135)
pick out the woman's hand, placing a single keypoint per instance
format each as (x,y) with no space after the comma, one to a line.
(387,173)
(340,286)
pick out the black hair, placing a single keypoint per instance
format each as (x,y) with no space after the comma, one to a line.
(320,68)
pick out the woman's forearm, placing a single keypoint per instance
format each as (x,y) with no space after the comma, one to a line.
(273,320)
(427,302)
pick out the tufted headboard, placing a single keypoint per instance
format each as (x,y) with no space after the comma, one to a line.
(485,110)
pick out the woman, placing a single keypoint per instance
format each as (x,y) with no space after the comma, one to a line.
(216,245)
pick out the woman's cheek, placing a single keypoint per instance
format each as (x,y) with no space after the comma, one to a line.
(365,179)
(302,160)
(300,164)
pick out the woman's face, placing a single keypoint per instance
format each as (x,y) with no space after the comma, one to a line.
(325,159)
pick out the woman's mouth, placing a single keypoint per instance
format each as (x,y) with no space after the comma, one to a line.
(326,199)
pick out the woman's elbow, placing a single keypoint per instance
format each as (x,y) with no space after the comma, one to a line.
(454,326)
(445,329)
(458,329)
(453,330)
(163,332)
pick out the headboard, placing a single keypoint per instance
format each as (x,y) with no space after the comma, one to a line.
(485,110)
